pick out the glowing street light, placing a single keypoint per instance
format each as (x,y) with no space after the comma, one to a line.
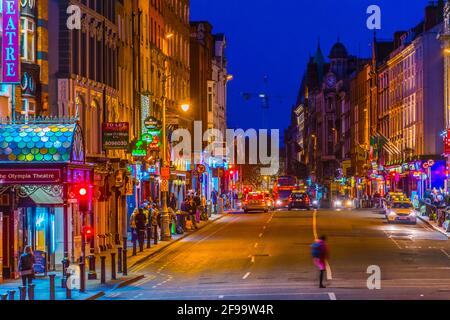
(185,107)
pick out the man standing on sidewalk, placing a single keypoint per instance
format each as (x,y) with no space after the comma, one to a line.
(141,225)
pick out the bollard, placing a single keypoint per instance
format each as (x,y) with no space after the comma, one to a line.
(119,260)
(155,234)
(103,269)
(149,237)
(31,288)
(11,294)
(52,286)
(92,275)
(4,296)
(82,277)
(124,260)
(68,287)
(23,293)
(134,248)
(113,266)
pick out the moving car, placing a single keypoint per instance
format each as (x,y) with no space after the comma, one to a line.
(299,200)
(270,201)
(401,212)
(255,201)
(343,203)
(392,197)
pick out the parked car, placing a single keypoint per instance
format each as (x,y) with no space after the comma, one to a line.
(299,200)
(401,212)
(255,201)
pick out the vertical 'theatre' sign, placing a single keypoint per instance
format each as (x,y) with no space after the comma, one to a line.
(10,42)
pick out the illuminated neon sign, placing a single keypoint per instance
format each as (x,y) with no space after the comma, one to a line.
(10,42)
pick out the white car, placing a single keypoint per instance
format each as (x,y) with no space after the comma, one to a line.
(401,212)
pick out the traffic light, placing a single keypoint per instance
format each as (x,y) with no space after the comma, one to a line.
(88,232)
(82,195)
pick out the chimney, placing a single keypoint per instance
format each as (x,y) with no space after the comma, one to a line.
(431,17)
(398,38)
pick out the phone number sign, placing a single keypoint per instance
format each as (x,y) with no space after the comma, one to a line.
(116,135)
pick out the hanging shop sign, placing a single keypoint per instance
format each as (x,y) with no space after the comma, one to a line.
(151,123)
(30,176)
(116,135)
(154,144)
(447,142)
(428,164)
(140,150)
(10,42)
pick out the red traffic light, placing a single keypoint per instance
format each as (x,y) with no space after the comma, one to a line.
(88,231)
(82,191)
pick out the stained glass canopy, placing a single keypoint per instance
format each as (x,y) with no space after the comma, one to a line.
(41,143)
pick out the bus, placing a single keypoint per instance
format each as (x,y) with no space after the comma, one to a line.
(282,190)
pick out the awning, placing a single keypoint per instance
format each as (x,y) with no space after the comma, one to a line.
(41,143)
(40,198)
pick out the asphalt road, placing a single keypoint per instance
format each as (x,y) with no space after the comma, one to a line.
(267,256)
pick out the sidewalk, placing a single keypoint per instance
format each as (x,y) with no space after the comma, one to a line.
(433,224)
(94,288)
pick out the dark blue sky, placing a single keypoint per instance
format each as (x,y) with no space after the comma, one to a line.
(275,38)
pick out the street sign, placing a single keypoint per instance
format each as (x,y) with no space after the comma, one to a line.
(165,173)
(116,135)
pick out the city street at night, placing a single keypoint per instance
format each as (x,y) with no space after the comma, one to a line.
(267,257)
(225,158)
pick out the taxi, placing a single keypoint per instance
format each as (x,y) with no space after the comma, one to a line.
(401,211)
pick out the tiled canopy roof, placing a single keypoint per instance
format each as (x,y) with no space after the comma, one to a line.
(40,143)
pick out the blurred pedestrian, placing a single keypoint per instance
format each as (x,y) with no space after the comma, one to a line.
(214,200)
(26,263)
(192,207)
(320,255)
(173,202)
(141,225)
(134,234)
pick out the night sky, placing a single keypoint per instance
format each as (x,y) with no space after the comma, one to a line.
(275,38)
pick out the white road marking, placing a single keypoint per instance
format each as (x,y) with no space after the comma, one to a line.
(329,272)
(246,275)
(332,296)
(256,245)
(253,259)
(445,252)
(265,227)
(261,235)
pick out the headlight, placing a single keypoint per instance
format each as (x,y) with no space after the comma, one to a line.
(413,214)
(392,213)
(279,202)
(338,203)
(349,203)
(315,202)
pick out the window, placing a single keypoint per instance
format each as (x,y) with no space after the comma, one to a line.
(28,107)
(27,39)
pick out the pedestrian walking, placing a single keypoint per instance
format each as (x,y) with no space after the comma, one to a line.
(192,207)
(133,225)
(141,225)
(320,255)
(214,200)
(173,202)
(26,266)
